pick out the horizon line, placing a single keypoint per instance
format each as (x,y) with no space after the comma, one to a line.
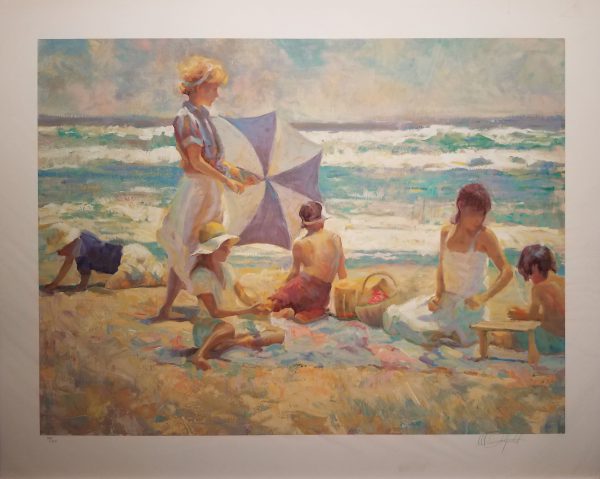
(556,121)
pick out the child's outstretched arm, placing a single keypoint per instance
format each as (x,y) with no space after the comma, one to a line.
(216,312)
(533,314)
(62,272)
(249,299)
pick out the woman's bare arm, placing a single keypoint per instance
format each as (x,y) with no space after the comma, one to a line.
(440,286)
(434,302)
(194,154)
(493,249)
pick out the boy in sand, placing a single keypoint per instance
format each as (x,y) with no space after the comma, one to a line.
(537,264)
(130,265)
(317,258)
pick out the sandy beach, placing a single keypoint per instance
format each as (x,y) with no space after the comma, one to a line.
(107,369)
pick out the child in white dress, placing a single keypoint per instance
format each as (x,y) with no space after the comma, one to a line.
(461,293)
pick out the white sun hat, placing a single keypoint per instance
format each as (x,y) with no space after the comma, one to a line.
(60,235)
(211,237)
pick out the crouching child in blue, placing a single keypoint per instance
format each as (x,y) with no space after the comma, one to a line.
(130,265)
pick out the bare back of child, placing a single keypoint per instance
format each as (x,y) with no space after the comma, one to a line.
(319,254)
(316,260)
(537,264)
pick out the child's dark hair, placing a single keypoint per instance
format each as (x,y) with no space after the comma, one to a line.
(474,195)
(538,255)
(310,211)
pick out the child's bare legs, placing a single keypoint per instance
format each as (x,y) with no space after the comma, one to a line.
(174,285)
(502,339)
(435,338)
(286,313)
(266,338)
(83,283)
(221,335)
(119,280)
(278,310)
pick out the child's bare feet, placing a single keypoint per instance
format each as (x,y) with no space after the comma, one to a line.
(309,316)
(163,315)
(199,361)
(501,339)
(438,338)
(244,340)
(287,313)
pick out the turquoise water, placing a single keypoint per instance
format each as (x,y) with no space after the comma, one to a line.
(526,190)
(73,136)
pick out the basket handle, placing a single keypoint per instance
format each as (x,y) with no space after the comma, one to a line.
(377,274)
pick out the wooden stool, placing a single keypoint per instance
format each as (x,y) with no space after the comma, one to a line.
(529,327)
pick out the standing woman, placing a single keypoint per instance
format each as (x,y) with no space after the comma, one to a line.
(199,196)
(466,246)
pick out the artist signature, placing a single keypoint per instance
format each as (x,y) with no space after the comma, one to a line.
(495,440)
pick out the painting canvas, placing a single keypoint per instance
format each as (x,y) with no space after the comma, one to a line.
(242,236)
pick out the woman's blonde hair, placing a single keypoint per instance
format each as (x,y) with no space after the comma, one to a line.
(195,68)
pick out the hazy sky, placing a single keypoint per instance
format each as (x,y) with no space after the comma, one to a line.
(326,80)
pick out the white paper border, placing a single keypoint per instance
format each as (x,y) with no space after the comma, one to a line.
(23,452)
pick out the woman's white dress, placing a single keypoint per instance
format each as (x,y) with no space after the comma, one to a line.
(199,198)
(464,276)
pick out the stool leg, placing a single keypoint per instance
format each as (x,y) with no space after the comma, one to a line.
(483,344)
(532,353)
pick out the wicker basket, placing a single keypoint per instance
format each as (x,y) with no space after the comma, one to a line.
(345,301)
(372,314)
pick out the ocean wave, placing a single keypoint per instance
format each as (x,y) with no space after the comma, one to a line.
(137,220)
(503,160)
(87,131)
(75,157)
(134,211)
(529,197)
(146,139)
(444,138)
(492,159)
(396,148)
(418,238)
